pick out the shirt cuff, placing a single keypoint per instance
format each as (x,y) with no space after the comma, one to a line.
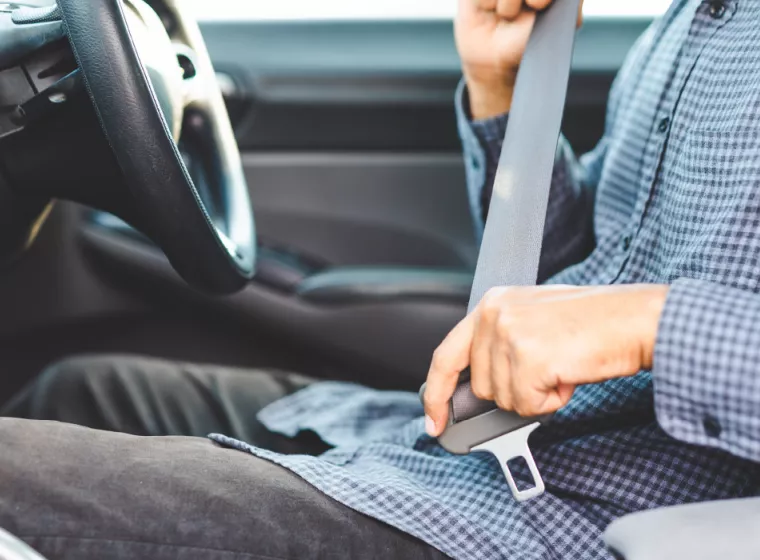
(486,130)
(707,367)
(481,143)
(490,133)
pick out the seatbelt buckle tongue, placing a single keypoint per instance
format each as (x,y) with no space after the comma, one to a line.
(514,445)
(502,433)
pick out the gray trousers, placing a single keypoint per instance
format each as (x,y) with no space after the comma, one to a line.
(85,492)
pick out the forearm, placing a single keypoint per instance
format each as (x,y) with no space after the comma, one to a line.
(706,367)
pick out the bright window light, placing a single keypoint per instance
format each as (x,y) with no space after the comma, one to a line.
(291,10)
(629,8)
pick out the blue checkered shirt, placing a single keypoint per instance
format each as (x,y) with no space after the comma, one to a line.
(670,195)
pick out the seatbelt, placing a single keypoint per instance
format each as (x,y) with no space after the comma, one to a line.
(511,247)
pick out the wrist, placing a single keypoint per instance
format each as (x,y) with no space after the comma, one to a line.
(651,303)
(489,99)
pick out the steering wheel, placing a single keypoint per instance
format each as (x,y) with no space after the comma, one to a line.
(145,95)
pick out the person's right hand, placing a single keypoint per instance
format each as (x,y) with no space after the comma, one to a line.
(491,37)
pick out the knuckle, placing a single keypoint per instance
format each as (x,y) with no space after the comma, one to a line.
(490,313)
(494,294)
(505,326)
(524,409)
(432,399)
(512,291)
(429,401)
(492,304)
(526,349)
(524,404)
(503,400)
(439,358)
(481,391)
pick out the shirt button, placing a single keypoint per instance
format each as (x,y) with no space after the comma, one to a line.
(626,242)
(717,9)
(664,125)
(712,426)
(475,162)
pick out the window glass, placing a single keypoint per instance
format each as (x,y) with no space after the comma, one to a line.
(386,9)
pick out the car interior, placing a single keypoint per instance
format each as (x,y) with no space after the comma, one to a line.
(349,146)
(363,249)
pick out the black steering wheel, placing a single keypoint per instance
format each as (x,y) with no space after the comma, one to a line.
(146,94)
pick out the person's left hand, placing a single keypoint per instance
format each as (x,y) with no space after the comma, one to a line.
(528,348)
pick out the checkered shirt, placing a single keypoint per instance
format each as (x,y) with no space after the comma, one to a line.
(670,195)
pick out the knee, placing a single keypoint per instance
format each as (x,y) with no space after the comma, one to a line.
(72,372)
(66,386)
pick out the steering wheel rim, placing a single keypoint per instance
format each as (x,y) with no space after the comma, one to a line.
(132,106)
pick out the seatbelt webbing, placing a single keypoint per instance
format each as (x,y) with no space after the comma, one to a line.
(511,247)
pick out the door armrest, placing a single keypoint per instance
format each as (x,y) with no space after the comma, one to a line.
(726,530)
(376,284)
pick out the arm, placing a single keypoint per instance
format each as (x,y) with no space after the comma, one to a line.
(491,39)
(701,340)
(568,235)
(706,367)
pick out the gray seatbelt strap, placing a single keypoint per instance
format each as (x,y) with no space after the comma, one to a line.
(511,248)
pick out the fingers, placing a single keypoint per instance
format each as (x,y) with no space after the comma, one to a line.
(449,359)
(482,5)
(480,355)
(538,5)
(485,346)
(509,9)
(507,366)
(550,401)
(501,374)
(504,342)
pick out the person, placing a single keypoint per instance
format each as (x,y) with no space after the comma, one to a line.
(645,338)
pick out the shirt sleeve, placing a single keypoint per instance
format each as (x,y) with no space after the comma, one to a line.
(706,367)
(568,236)
(569,233)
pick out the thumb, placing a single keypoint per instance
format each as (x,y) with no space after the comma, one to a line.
(449,359)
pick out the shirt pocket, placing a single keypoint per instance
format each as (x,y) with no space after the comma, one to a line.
(709,205)
(713,148)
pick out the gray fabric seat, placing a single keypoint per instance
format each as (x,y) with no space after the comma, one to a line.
(727,530)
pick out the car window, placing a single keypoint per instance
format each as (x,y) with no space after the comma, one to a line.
(387,9)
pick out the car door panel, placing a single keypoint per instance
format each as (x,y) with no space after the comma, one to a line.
(339,120)
(364,208)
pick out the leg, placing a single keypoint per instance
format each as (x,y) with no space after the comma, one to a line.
(144,396)
(80,494)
